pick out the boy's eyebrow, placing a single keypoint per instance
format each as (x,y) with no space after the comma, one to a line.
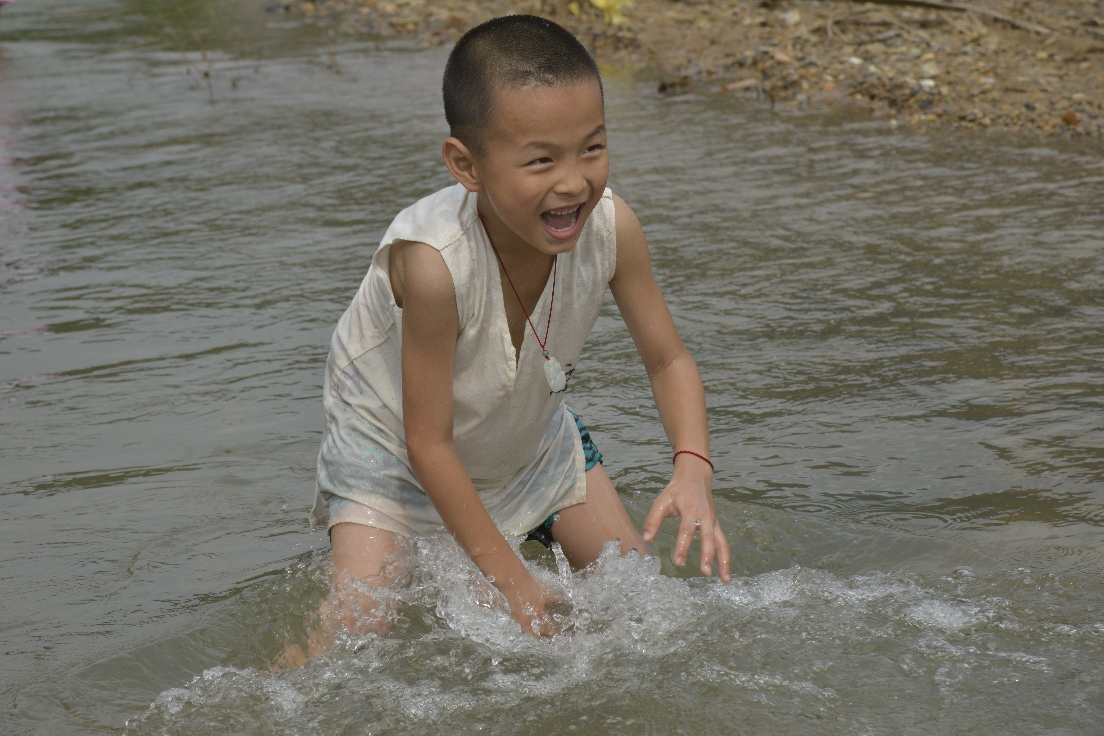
(546,144)
(600,129)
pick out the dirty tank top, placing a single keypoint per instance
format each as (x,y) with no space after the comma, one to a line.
(513,435)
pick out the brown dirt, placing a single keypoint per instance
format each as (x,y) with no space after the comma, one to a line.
(1023,65)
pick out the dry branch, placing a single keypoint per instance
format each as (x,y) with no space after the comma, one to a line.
(960,8)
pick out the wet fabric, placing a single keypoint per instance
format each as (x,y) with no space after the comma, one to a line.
(543,533)
(516,439)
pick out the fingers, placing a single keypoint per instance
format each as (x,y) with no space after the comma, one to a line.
(529,607)
(682,542)
(540,626)
(661,509)
(714,544)
(724,555)
(533,624)
(708,548)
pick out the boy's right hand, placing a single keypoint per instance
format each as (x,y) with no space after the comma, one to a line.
(529,601)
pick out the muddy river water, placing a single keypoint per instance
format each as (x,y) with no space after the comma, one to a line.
(902,338)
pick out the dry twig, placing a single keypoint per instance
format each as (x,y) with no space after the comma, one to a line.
(960,8)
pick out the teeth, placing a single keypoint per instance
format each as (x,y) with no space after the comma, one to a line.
(561,219)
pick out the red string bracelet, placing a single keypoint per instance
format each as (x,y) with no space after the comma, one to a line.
(695,454)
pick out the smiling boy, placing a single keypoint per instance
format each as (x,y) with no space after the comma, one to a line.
(446,377)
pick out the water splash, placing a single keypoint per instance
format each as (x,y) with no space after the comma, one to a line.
(875,651)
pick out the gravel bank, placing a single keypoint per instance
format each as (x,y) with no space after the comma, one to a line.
(1015,65)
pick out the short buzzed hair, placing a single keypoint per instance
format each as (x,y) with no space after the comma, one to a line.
(511,51)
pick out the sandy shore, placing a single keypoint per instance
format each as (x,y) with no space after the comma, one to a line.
(1024,65)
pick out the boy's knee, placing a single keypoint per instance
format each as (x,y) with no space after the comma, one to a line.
(356,612)
(361,624)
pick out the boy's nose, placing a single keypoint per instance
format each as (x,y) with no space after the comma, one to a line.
(572,182)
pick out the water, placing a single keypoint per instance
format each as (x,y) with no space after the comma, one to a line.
(901,337)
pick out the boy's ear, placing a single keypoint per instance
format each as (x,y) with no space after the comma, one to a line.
(461,164)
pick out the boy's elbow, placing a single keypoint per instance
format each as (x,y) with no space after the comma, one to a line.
(425,452)
(418,452)
(680,357)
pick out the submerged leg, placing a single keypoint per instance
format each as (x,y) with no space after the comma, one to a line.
(582,529)
(364,560)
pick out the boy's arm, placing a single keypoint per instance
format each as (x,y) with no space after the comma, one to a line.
(679,396)
(424,289)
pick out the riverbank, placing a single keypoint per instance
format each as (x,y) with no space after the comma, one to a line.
(1014,65)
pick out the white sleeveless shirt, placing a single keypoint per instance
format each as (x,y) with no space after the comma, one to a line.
(516,440)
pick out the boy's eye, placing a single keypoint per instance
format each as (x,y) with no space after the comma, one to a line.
(539,161)
(595,147)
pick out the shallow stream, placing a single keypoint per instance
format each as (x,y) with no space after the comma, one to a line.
(901,334)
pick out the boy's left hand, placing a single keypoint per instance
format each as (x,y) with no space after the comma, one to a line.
(679,394)
(688,495)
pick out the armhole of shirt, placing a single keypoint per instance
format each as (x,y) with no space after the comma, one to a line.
(609,234)
(463,296)
(381,259)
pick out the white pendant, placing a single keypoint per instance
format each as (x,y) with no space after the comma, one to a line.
(557,379)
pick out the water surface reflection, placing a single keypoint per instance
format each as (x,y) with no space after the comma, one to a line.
(900,335)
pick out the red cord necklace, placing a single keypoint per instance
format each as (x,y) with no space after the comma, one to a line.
(553,372)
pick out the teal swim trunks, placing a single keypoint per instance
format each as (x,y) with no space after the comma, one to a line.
(543,533)
(590,451)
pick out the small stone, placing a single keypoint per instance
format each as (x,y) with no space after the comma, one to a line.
(1070,118)
(679,85)
(1029,107)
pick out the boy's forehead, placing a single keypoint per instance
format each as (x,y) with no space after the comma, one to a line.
(516,108)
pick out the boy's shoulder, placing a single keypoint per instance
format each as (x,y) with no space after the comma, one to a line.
(438,220)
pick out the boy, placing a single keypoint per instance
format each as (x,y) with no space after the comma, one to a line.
(445,379)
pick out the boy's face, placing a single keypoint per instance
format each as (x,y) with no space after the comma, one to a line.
(544,163)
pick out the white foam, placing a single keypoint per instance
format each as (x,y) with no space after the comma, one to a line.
(788,636)
(942,615)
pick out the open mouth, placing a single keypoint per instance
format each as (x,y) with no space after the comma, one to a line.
(561,222)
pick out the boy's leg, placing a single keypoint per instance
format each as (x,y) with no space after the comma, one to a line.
(582,529)
(364,558)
